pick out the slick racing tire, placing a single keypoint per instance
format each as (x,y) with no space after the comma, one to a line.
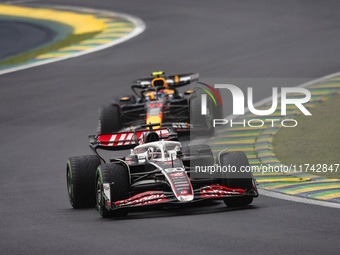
(217,109)
(116,174)
(109,119)
(80,176)
(236,180)
(202,124)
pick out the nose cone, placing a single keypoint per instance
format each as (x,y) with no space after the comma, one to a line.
(153,120)
(185,198)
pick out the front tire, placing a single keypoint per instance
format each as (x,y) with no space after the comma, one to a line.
(203,124)
(117,174)
(218,109)
(236,180)
(109,119)
(80,174)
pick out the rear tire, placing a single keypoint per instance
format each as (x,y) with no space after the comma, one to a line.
(109,119)
(217,110)
(203,122)
(112,173)
(233,180)
(80,174)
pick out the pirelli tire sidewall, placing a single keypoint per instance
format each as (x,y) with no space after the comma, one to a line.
(110,119)
(239,180)
(117,175)
(203,124)
(80,176)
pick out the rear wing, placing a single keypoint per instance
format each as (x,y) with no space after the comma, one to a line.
(172,80)
(125,140)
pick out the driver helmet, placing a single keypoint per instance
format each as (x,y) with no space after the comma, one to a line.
(150,137)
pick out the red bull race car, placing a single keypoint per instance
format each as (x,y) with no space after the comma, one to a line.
(158,100)
(157,170)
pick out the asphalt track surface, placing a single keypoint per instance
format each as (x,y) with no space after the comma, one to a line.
(19,37)
(48,111)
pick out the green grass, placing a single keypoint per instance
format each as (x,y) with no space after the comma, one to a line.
(315,140)
(69,40)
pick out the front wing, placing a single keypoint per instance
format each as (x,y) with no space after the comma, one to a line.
(159,197)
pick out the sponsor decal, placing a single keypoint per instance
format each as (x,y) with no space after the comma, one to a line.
(220,191)
(177,174)
(180,182)
(146,198)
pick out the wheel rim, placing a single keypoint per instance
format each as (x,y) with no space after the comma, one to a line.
(69,185)
(99,192)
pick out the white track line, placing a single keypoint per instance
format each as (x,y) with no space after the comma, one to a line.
(140,27)
(305,200)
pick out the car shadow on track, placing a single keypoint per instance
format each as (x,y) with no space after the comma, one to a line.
(176,210)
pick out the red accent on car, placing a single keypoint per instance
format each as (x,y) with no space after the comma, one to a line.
(177,174)
(220,191)
(145,198)
(127,137)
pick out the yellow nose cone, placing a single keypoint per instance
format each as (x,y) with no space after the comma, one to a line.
(153,120)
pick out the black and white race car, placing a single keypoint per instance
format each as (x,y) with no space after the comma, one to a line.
(157,100)
(157,170)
